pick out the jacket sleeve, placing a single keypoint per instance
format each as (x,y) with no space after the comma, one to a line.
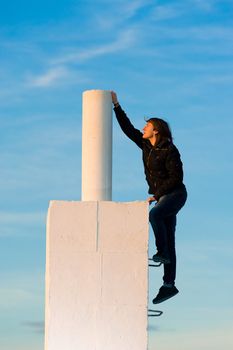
(174,168)
(134,134)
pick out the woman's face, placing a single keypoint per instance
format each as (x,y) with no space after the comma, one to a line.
(149,131)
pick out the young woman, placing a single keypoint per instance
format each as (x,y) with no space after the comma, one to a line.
(164,175)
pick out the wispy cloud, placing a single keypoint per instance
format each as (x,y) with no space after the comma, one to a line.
(202,33)
(176,8)
(128,8)
(21,218)
(52,76)
(125,40)
(124,13)
(21,223)
(153,328)
(197,339)
(15,297)
(163,12)
(55,76)
(206,5)
(22,289)
(21,284)
(59,71)
(35,326)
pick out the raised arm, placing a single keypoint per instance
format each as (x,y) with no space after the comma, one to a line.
(127,127)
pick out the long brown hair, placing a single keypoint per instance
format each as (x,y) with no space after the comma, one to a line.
(163,128)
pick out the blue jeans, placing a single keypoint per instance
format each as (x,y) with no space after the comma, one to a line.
(163,221)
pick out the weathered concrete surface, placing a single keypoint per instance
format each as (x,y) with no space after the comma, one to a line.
(96,276)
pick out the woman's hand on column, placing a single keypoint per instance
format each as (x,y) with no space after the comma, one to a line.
(114,98)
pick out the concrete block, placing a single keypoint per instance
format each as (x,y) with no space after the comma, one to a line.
(124,278)
(122,226)
(96,276)
(74,330)
(72,225)
(76,281)
(121,327)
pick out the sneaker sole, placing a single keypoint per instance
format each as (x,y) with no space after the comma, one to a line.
(163,299)
(163,261)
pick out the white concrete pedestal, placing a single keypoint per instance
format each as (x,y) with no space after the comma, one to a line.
(96,276)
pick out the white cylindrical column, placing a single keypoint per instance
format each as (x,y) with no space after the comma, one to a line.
(97,145)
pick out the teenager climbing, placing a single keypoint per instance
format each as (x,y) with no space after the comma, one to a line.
(164,175)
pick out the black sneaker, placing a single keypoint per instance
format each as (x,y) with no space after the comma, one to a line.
(159,258)
(164,294)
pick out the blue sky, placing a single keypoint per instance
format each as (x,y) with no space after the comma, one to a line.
(171,59)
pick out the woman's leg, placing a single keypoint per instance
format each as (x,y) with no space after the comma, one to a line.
(170,269)
(163,221)
(167,205)
(157,220)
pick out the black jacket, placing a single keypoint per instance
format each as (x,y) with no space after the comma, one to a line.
(162,163)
